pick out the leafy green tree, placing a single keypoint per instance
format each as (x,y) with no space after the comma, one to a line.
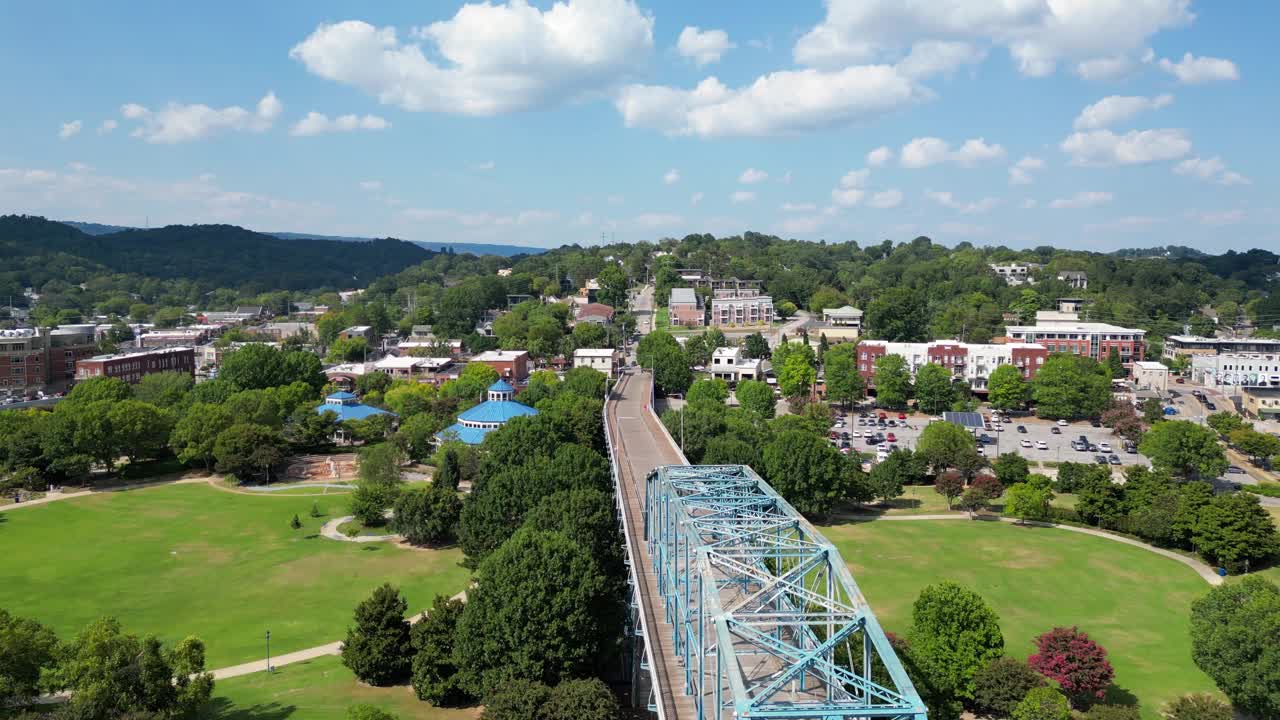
(756,396)
(1236,532)
(164,389)
(807,471)
(826,297)
(94,389)
(695,425)
(1028,303)
(843,381)
(696,350)
(1115,366)
(1198,706)
(898,315)
(472,382)
(892,381)
(585,382)
(1185,449)
(754,346)
(449,474)
(245,450)
(727,450)
(934,392)
(374,382)
(710,390)
(27,648)
(141,429)
(304,366)
(1225,423)
(888,477)
(586,516)
(1233,642)
(1002,683)
(581,699)
(946,445)
(1071,386)
(348,350)
(953,634)
(1099,500)
(1043,703)
(379,483)
(540,609)
(1007,389)
(671,373)
(1257,445)
(254,367)
(435,676)
(417,435)
(1011,468)
(427,516)
(649,346)
(1029,501)
(796,377)
(377,648)
(516,699)
(364,711)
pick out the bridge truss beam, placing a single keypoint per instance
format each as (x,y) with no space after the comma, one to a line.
(768,622)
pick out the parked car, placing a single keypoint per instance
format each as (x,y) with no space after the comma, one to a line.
(1180,381)
(902,416)
(1055,430)
(1114,459)
(1210,405)
(1042,445)
(1024,443)
(1095,422)
(981,451)
(1022,429)
(1100,459)
(891,437)
(834,435)
(986,439)
(1062,423)
(1104,447)
(1235,470)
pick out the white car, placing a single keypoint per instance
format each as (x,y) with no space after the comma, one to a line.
(981,451)
(1042,445)
(855,433)
(1104,447)
(1024,443)
(1062,423)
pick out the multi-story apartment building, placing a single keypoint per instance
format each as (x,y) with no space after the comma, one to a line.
(842,324)
(1260,370)
(1016,273)
(68,345)
(972,361)
(685,308)
(23,355)
(1191,345)
(133,366)
(1063,332)
(740,307)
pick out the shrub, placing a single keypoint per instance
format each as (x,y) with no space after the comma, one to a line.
(1043,703)
(515,700)
(1078,664)
(369,712)
(1002,683)
(1198,707)
(295,523)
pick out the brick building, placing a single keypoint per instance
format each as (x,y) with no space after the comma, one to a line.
(68,345)
(1063,332)
(512,365)
(684,309)
(22,359)
(131,367)
(974,362)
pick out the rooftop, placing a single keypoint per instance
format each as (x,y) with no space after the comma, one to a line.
(847,310)
(1150,365)
(1078,326)
(499,355)
(593,352)
(1201,339)
(398,363)
(683,295)
(140,353)
(596,309)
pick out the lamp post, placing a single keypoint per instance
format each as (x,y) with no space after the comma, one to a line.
(268,651)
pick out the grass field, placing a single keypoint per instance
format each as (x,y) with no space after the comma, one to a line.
(320,689)
(924,500)
(1135,603)
(194,560)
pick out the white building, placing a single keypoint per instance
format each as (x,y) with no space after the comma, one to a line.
(1016,273)
(603,359)
(974,362)
(1149,375)
(741,307)
(728,364)
(1260,370)
(1065,332)
(1077,279)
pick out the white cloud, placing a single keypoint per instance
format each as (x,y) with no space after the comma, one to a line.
(879,156)
(1212,169)
(1116,109)
(1104,68)
(885,200)
(493,58)
(177,123)
(799,207)
(785,179)
(80,167)
(1128,223)
(70,129)
(948,200)
(315,123)
(1136,147)
(780,103)
(584,219)
(847,196)
(741,196)
(1036,33)
(1217,218)
(371,185)
(855,178)
(750,176)
(480,219)
(1086,199)
(696,198)
(1020,172)
(671,177)
(802,225)
(107,126)
(934,57)
(1192,70)
(485,166)
(925,151)
(703,47)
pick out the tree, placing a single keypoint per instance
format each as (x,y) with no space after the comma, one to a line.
(889,475)
(796,377)
(449,473)
(254,367)
(756,396)
(1198,706)
(843,381)
(374,382)
(1002,683)
(1078,664)
(755,347)
(671,373)
(26,649)
(472,382)
(892,380)
(1026,306)
(1029,501)
(1236,532)
(581,699)
(934,393)
(351,349)
(1257,445)
(295,523)
(1233,631)
(93,389)
(946,445)
(710,390)
(898,315)
(193,437)
(695,425)
(953,634)
(807,471)
(1098,499)
(585,382)
(164,389)
(427,516)
(728,450)
(516,700)
(540,609)
(141,429)
(364,711)
(1043,703)
(1011,469)
(1115,366)
(1007,389)
(1185,449)
(1071,386)
(1224,423)
(247,449)
(377,647)
(112,674)
(949,485)
(432,639)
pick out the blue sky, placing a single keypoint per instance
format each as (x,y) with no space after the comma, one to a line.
(1091,124)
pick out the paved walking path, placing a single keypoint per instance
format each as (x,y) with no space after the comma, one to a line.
(330,531)
(1206,572)
(58,496)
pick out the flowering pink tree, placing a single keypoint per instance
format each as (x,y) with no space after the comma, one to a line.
(1078,664)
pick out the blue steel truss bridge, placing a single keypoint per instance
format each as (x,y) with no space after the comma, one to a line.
(740,608)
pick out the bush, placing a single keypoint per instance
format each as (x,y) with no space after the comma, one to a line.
(295,523)
(1269,489)
(1198,707)
(515,700)
(369,712)
(1043,703)
(588,699)
(1002,683)
(1079,665)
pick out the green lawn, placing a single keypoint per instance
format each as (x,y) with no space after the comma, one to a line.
(194,560)
(320,689)
(1133,602)
(924,500)
(661,319)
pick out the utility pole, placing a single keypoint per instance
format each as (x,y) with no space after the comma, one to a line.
(268,651)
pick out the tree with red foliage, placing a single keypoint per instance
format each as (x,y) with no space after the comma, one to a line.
(1078,664)
(949,485)
(988,485)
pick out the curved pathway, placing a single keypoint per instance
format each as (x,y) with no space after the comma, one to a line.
(330,530)
(59,496)
(1203,570)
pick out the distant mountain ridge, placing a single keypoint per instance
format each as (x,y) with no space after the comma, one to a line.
(92,228)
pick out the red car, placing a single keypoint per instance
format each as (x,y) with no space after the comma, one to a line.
(883,416)
(834,435)
(902,416)
(890,437)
